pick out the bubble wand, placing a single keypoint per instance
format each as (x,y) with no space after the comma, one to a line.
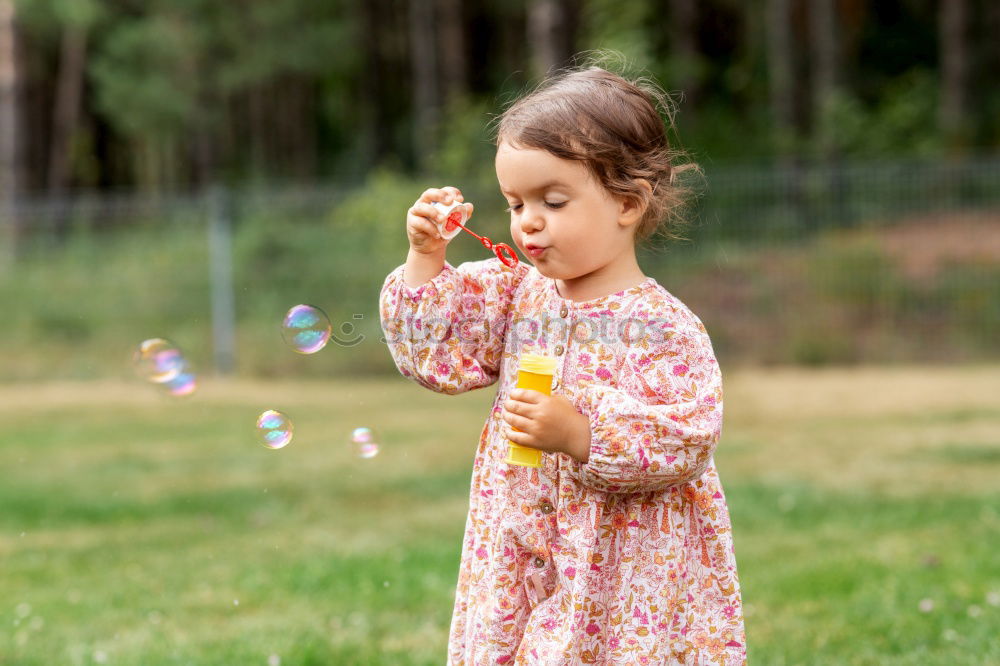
(457,216)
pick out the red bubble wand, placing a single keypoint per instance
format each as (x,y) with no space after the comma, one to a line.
(455,221)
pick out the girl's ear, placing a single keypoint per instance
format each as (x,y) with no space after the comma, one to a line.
(632,208)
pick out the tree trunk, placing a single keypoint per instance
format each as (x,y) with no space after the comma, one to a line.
(66,115)
(66,120)
(988,121)
(954,72)
(11,153)
(374,140)
(992,23)
(203,156)
(780,59)
(305,128)
(684,47)
(551,34)
(424,38)
(452,42)
(782,62)
(257,122)
(825,45)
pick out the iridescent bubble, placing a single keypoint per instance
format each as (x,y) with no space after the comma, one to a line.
(365,442)
(158,360)
(183,384)
(306,329)
(274,429)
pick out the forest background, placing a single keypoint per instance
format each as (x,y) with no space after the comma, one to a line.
(178,94)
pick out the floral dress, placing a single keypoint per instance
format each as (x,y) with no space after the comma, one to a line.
(625,559)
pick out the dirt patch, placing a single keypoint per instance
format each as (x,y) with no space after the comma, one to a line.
(922,246)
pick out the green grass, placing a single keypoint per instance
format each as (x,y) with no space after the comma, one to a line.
(137,529)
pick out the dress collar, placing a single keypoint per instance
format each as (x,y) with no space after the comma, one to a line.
(634,290)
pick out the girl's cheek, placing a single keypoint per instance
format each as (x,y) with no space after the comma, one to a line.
(515,234)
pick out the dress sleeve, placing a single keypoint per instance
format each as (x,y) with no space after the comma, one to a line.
(660,426)
(448,333)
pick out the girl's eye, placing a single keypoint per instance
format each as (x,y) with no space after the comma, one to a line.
(514,207)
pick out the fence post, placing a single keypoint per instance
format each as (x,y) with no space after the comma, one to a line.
(220,259)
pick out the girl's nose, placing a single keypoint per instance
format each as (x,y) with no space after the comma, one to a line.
(531,220)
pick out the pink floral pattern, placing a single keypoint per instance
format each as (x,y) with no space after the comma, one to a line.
(626,559)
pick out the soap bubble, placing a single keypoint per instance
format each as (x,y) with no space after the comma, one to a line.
(161,362)
(365,442)
(306,329)
(158,360)
(275,429)
(183,384)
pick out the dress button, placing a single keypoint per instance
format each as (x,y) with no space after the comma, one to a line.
(564,312)
(546,507)
(539,562)
(559,350)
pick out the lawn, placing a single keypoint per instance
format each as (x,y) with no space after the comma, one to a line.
(141,529)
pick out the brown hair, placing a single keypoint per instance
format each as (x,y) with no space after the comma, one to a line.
(613,126)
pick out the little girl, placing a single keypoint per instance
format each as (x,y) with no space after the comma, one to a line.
(618,550)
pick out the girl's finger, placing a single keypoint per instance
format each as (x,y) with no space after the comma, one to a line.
(516,436)
(518,422)
(526,395)
(520,408)
(427,228)
(417,222)
(455,193)
(426,211)
(433,194)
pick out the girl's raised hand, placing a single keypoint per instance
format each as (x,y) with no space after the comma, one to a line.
(422,219)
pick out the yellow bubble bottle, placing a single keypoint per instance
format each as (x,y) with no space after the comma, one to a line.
(535,373)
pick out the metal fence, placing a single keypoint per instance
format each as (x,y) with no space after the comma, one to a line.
(790,202)
(809,263)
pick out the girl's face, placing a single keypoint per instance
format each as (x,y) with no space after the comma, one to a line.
(562,218)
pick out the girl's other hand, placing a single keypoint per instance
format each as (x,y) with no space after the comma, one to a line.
(547,422)
(422,219)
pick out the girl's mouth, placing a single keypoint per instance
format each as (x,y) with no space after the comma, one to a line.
(534,251)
